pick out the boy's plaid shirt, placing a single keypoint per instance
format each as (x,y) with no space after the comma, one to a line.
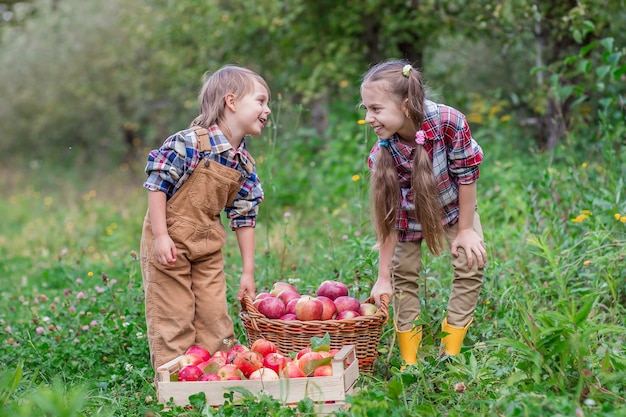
(169,166)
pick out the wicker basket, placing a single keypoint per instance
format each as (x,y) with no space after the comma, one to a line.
(292,335)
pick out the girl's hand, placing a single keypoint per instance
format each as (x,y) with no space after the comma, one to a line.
(246,285)
(473,246)
(379,288)
(165,250)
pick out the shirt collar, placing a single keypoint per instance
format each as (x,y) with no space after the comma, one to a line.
(220,144)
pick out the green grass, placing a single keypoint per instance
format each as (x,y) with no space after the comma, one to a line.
(549,331)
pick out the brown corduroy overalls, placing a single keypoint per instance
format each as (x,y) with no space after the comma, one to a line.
(186,305)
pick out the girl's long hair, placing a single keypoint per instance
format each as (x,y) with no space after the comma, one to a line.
(384,186)
(228,79)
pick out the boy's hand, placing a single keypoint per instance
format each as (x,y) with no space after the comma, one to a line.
(246,285)
(165,250)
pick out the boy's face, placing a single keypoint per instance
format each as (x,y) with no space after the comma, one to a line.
(384,113)
(253,110)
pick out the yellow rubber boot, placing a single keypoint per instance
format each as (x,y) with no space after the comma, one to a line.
(452,342)
(409,342)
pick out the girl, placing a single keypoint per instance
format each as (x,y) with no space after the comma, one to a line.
(424,169)
(192,177)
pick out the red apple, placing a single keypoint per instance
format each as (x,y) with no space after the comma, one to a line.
(291,307)
(234,351)
(308,357)
(263,346)
(248,362)
(348,315)
(330,310)
(263,295)
(263,374)
(287,295)
(292,370)
(309,308)
(302,352)
(200,351)
(189,359)
(229,372)
(213,364)
(288,317)
(271,307)
(219,355)
(210,377)
(332,289)
(275,361)
(280,286)
(367,309)
(323,370)
(202,365)
(346,302)
(189,373)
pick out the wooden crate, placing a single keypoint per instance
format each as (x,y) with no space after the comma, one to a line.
(328,392)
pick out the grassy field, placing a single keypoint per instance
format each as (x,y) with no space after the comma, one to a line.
(549,331)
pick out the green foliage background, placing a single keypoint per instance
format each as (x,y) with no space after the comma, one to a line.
(89,87)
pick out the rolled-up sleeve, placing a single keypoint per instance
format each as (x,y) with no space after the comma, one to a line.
(168,166)
(464,153)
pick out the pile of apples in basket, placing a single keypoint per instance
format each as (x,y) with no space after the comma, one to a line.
(333,302)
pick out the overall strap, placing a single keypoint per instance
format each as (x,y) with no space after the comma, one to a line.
(204,144)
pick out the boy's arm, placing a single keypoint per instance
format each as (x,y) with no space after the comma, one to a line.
(245,238)
(164,248)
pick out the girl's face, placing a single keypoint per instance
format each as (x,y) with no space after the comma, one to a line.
(385,114)
(252,110)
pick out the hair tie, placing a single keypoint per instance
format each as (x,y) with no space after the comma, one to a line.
(406,69)
(420,137)
(383,142)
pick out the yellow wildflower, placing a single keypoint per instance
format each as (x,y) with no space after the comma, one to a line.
(356,177)
(584,165)
(90,274)
(587,263)
(623,219)
(361,122)
(617,216)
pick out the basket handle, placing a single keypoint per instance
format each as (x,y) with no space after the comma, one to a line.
(384,305)
(246,304)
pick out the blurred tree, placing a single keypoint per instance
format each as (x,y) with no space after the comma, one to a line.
(108,78)
(550,31)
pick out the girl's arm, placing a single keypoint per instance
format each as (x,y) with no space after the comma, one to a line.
(245,238)
(383,283)
(164,248)
(466,237)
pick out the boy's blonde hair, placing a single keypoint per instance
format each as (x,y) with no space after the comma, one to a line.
(229,79)
(384,187)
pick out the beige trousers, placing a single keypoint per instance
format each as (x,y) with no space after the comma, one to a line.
(405,271)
